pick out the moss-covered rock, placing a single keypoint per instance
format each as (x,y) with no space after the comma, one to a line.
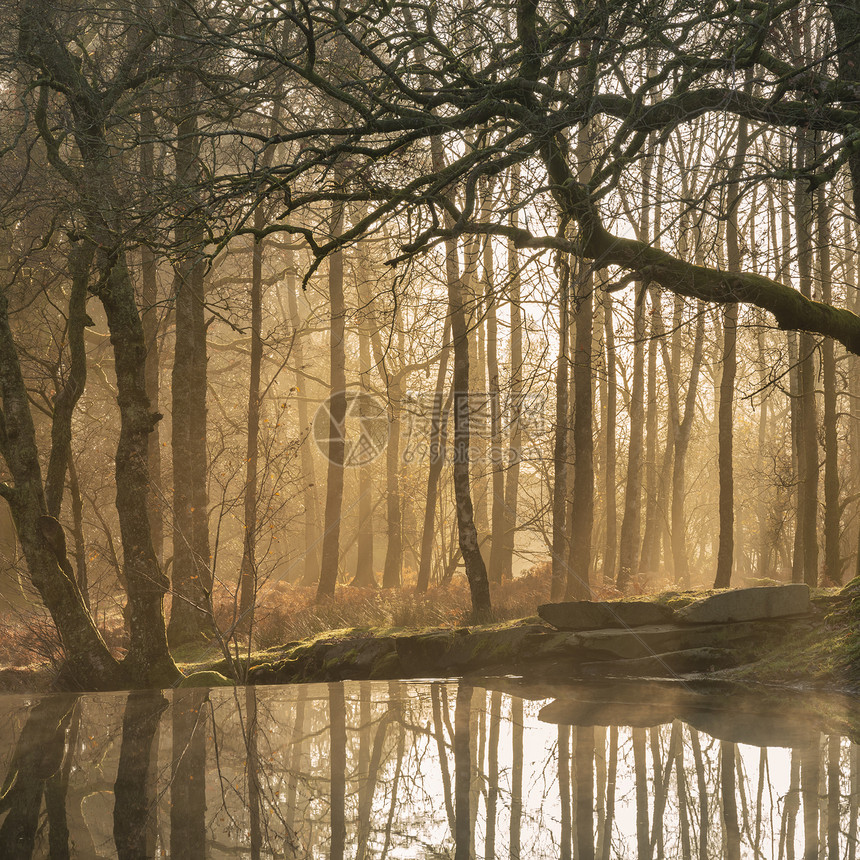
(206,678)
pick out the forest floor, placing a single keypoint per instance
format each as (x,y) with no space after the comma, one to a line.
(824,654)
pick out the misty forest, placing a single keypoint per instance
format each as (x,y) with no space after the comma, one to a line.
(510,346)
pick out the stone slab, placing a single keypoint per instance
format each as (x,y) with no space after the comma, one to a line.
(599,615)
(748,604)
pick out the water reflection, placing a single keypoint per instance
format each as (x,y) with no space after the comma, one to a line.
(441,769)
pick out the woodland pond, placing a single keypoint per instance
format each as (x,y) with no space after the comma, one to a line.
(492,768)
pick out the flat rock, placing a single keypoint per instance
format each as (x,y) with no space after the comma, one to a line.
(597,615)
(748,604)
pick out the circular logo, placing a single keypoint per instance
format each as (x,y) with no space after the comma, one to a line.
(364,430)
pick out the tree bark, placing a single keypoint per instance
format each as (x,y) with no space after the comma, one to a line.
(476,571)
(725,419)
(559,457)
(808,421)
(337,418)
(628,552)
(310,574)
(248,571)
(611,501)
(512,479)
(582,502)
(832,572)
(191,574)
(438,437)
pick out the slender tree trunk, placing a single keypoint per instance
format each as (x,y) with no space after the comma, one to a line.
(579,568)
(832,557)
(560,488)
(394,501)
(191,574)
(682,427)
(80,260)
(188,773)
(438,436)
(82,577)
(248,569)
(565,846)
(337,418)
(253,769)
(651,534)
(808,449)
(493,774)
(512,479)
(497,453)
(337,770)
(628,560)
(725,419)
(364,560)
(516,776)
(810,765)
(729,804)
(476,571)
(311,571)
(640,770)
(462,772)
(611,551)
(149,318)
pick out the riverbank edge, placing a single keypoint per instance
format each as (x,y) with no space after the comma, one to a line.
(819,650)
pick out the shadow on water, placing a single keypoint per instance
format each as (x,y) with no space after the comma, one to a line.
(477,769)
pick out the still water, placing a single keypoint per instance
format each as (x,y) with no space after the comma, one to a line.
(483,769)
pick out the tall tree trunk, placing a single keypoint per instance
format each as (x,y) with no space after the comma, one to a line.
(310,574)
(438,436)
(148,659)
(337,417)
(337,770)
(582,502)
(628,552)
(651,533)
(729,804)
(82,577)
(394,503)
(476,571)
(559,458)
(497,453)
(80,260)
(512,479)
(135,826)
(364,577)
(462,772)
(149,318)
(808,423)
(832,557)
(248,569)
(725,419)
(611,551)
(191,574)
(681,429)
(188,773)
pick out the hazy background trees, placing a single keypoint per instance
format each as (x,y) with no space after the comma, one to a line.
(495,238)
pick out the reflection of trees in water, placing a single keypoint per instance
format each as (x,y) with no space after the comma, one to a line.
(378,769)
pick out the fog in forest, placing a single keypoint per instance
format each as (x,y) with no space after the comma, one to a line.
(430,429)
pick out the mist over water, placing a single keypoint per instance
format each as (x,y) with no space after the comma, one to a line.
(489,768)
